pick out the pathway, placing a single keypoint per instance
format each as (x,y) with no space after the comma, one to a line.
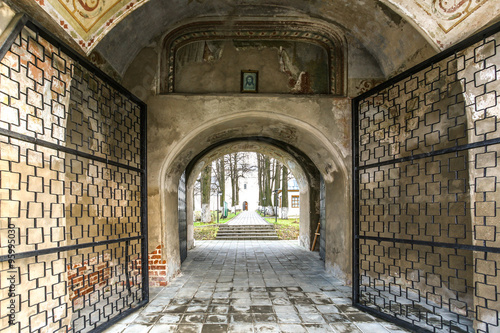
(247,218)
(252,286)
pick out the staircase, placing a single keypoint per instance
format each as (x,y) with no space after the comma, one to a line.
(247,232)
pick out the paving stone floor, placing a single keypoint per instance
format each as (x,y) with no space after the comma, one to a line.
(247,218)
(252,286)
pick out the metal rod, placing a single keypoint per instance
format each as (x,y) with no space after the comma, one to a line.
(355,204)
(10,33)
(144,205)
(64,149)
(127,262)
(119,317)
(393,319)
(434,153)
(67,248)
(489,249)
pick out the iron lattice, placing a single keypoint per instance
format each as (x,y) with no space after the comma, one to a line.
(72,184)
(426,184)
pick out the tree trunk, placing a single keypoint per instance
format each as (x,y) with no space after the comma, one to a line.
(267,186)
(277,183)
(236,179)
(260,173)
(284,193)
(206,182)
(222,180)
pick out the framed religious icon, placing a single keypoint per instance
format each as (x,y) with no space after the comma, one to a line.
(249,81)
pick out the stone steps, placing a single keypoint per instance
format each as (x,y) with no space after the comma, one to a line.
(247,232)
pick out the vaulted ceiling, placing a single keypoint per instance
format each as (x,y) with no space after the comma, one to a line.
(392,30)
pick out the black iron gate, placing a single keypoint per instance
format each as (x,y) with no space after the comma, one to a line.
(427,191)
(182,217)
(72,189)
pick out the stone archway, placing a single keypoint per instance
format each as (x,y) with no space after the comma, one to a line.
(300,166)
(322,141)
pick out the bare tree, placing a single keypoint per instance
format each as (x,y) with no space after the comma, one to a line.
(284,193)
(206,184)
(220,174)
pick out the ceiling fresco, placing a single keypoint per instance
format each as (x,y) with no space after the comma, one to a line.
(87,21)
(443,22)
(446,22)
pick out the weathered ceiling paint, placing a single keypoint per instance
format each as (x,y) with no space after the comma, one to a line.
(443,22)
(88,21)
(446,22)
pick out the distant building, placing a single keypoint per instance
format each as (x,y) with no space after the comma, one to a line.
(293,199)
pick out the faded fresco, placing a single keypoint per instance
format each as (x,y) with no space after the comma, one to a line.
(87,21)
(284,67)
(446,22)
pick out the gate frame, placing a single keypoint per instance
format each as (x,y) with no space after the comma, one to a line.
(460,46)
(7,38)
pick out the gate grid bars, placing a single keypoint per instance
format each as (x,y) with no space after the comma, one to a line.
(72,190)
(426,146)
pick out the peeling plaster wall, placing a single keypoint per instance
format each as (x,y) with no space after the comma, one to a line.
(181,126)
(385,35)
(284,67)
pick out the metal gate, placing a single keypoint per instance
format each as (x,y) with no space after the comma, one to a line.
(427,185)
(72,189)
(182,217)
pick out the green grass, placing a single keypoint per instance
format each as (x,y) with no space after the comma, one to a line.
(208,231)
(286,229)
(221,220)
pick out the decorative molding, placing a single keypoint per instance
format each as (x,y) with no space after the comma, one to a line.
(446,22)
(305,31)
(88,21)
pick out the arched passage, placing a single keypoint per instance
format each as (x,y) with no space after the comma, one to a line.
(303,144)
(297,162)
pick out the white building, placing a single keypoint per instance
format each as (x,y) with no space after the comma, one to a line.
(249,192)
(293,199)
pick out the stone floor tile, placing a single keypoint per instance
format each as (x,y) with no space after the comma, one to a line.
(284,308)
(137,328)
(261,301)
(218,309)
(318,328)
(241,318)
(307,309)
(372,327)
(252,286)
(197,308)
(266,328)
(292,328)
(164,328)
(152,309)
(189,328)
(345,328)
(175,308)
(311,318)
(327,308)
(214,328)
(144,318)
(261,309)
(216,319)
(170,318)
(264,318)
(241,328)
(288,318)
(195,318)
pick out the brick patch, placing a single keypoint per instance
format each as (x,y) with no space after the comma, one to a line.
(157,268)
